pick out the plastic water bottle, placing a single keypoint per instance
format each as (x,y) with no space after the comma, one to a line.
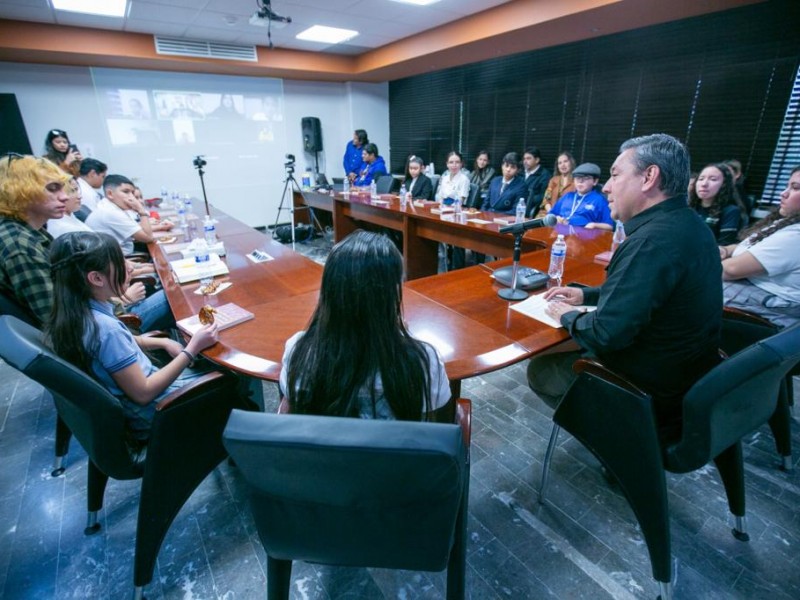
(619,236)
(202,260)
(373,190)
(403,197)
(306,180)
(187,202)
(457,206)
(176,201)
(520,211)
(164,198)
(346,189)
(181,208)
(209,231)
(558,253)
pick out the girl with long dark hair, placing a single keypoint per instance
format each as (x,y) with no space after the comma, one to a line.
(482,174)
(762,273)
(417,183)
(59,150)
(356,358)
(714,197)
(88,270)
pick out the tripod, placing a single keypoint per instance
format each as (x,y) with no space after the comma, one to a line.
(199,163)
(290,186)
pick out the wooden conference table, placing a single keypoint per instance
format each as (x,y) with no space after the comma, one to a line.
(422,229)
(458,312)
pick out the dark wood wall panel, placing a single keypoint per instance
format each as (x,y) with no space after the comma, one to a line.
(720,82)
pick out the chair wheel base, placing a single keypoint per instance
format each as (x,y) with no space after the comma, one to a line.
(91,529)
(58,472)
(742,536)
(786,464)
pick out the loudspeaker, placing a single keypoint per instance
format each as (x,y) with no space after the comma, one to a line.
(312,134)
(13,137)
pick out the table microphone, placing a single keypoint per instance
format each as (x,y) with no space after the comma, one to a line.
(516,228)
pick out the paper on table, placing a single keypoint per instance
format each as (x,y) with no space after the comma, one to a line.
(479,221)
(534,307)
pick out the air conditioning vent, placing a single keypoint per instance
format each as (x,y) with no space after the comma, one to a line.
(199,49)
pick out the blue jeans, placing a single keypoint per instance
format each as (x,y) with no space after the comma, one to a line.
(154,312)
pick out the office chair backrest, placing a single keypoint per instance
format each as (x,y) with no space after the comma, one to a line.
(93,415)
(351,491)
(385,184)
(733,399)
(10,306)
(435,183)
(472,199)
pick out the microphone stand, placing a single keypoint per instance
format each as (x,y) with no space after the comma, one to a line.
(513,293)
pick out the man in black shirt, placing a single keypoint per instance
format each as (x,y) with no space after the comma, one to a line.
(659,311)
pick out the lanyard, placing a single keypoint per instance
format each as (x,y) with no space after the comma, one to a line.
(576,204)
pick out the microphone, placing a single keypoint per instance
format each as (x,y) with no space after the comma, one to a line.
(518,228)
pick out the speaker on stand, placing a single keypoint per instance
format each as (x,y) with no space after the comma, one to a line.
(312,139)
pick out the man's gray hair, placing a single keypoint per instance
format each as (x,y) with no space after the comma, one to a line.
(665,152)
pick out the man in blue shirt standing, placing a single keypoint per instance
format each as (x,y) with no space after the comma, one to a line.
(585,207)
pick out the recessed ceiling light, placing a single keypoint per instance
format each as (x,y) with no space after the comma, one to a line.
(106,8)
(417,2)
(329,35)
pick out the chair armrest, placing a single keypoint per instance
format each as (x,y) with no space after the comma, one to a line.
(131,321)
(138,257)
(179,396)
(598,369)
(737,314)
(464,419)
(157,333)
(146,280)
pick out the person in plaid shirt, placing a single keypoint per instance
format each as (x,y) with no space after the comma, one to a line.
(32,190)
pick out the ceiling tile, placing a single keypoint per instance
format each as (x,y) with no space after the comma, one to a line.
(164,14)
(155,28)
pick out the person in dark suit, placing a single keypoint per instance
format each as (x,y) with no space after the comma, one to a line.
(506,190)
(536,179)
(417,183)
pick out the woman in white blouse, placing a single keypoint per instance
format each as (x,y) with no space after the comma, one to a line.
(762,273)
(454,184)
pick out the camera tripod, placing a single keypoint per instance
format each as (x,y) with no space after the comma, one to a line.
(290,186)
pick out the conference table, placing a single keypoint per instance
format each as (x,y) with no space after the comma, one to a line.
(458,312)
(421,226)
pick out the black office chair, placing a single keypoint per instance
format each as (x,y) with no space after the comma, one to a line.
(616,422)
(435,179)
(473,200)
(741,329)
(185,440)
(353,492)
(386,184)
(10,306)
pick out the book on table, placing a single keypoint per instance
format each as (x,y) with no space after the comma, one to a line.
(187,269)
(225,316)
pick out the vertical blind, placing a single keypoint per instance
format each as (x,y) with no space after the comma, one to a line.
(720,82)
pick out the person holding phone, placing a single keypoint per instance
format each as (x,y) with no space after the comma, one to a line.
(59,150)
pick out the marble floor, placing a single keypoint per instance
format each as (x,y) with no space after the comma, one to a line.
(584,544)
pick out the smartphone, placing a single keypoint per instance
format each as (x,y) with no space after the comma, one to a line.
(73,148)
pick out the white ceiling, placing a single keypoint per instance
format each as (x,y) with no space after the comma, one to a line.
(378,22)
